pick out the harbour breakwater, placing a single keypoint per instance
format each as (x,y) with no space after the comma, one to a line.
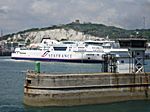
(42,89)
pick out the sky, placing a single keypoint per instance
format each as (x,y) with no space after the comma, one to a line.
(18,15)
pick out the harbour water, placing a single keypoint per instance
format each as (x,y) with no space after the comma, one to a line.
(12,74)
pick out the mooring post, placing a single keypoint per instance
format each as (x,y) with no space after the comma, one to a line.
(105,63)
(37,67)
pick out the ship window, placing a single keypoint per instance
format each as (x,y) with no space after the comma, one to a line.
(68,43)
(138,53)
(122,61)
(90,54)
(81,49)
(23,48)
(93,43)
(60,48)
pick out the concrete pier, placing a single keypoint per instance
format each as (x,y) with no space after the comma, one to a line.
(80,89)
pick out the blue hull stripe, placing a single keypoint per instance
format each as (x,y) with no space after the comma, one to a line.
(59,60)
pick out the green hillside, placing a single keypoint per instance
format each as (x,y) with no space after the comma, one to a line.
(98,30)
(101,30)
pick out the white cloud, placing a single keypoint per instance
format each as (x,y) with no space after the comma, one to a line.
(42,7)
(4,9)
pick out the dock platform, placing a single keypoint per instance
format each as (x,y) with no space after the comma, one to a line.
(42,89)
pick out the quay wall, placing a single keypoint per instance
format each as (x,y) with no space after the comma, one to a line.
(79,89)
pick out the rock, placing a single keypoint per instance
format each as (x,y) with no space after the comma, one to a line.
(54,34)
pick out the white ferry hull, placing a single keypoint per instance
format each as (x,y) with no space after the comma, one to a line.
(78,57)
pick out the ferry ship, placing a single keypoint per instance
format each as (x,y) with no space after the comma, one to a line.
(90,51)
(87,52)
(66,51)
